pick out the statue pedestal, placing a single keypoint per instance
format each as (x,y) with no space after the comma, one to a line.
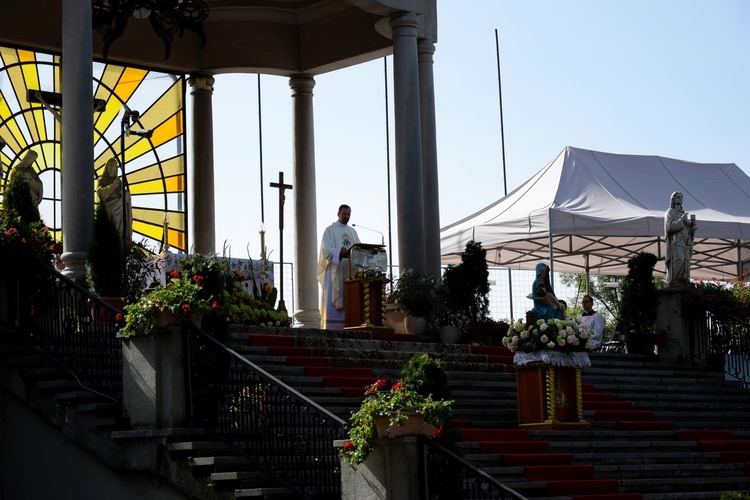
(669,316)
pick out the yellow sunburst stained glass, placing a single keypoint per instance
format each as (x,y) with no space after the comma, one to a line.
(30,115)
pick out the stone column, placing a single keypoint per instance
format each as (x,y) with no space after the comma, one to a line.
(307,314)
(411,235)
(202,220)
(77,132)
(429,158)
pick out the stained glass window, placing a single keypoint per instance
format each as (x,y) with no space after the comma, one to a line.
(30,114)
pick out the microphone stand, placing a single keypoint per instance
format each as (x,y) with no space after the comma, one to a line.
(382,236)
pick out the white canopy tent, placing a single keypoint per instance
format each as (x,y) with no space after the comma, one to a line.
(589,212)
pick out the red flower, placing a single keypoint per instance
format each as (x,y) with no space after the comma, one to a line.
(174,274)
(185,307)
(215,304)
(198,279)
(398,385)
(118,317)
(348,446)
(438,432)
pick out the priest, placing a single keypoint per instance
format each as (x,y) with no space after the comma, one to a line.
(333,263)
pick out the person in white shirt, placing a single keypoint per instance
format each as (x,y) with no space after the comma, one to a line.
(593,319)
(333,262)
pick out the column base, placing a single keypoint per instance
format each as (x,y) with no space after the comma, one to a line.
(306,318)
(75,266)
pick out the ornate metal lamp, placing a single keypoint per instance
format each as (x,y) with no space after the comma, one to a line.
(167,17)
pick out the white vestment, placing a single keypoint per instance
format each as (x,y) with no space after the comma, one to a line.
(596,323)
(332,271)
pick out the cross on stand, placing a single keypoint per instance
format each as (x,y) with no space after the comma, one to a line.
(282,198)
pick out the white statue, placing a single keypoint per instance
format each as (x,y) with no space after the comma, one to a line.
(109,191)
(679,230)
(26,170)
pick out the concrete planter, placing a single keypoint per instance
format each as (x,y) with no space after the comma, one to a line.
(153,385)
(389,472)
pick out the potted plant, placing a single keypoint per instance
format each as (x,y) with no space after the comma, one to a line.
(464,293)
(391,412)
(180,299)
(415,294)
(104,271)
(639,304)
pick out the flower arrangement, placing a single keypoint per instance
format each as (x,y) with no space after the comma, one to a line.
(559,335)
(731,298)
(395,403)
(20,239)
(241,308)
(181,297)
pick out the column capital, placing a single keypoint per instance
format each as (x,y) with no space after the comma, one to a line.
(404,24)
(201,83)
(425,50)
(301,84)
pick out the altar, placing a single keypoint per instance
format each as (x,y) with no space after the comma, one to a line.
(364,289)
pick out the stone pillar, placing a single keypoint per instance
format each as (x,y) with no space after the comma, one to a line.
(307,314)
(391,471)
(429,158)
(202,221)
(669,317)
(77,132)
(411,234)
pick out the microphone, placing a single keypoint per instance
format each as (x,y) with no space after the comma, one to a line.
(382,236)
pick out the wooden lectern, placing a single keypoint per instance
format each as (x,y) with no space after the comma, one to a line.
(364,289)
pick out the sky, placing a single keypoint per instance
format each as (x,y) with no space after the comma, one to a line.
(642,77)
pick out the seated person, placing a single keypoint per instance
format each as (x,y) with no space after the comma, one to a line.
(546,305)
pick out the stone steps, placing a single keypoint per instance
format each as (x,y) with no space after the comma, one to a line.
(640,461)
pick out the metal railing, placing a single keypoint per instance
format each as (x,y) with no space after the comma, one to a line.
(719,339)
(274,426)
(448,476)
(66,321)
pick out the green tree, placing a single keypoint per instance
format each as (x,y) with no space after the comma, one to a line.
(607,297)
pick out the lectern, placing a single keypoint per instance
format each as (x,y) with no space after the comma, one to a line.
(364,288)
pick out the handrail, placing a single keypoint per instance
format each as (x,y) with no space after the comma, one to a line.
(282,431)
(446,475)
(718,338)
(62,318)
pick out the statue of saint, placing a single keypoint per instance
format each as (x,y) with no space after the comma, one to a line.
(109,192)
(26,170)
(679,231)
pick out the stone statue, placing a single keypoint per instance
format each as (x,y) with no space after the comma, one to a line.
(109,192)
(26,170)
(679,231)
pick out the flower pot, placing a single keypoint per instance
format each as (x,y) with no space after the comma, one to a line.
(413,426)
(414,325)
(394,316)
(449,334)
(100,315)
(164,319)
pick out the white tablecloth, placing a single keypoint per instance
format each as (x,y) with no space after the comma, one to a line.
(567,360)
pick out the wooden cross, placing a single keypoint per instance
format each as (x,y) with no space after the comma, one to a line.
(282,198)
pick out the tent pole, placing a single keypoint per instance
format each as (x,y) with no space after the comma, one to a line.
(588,278)
(551,252)
(739,261)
